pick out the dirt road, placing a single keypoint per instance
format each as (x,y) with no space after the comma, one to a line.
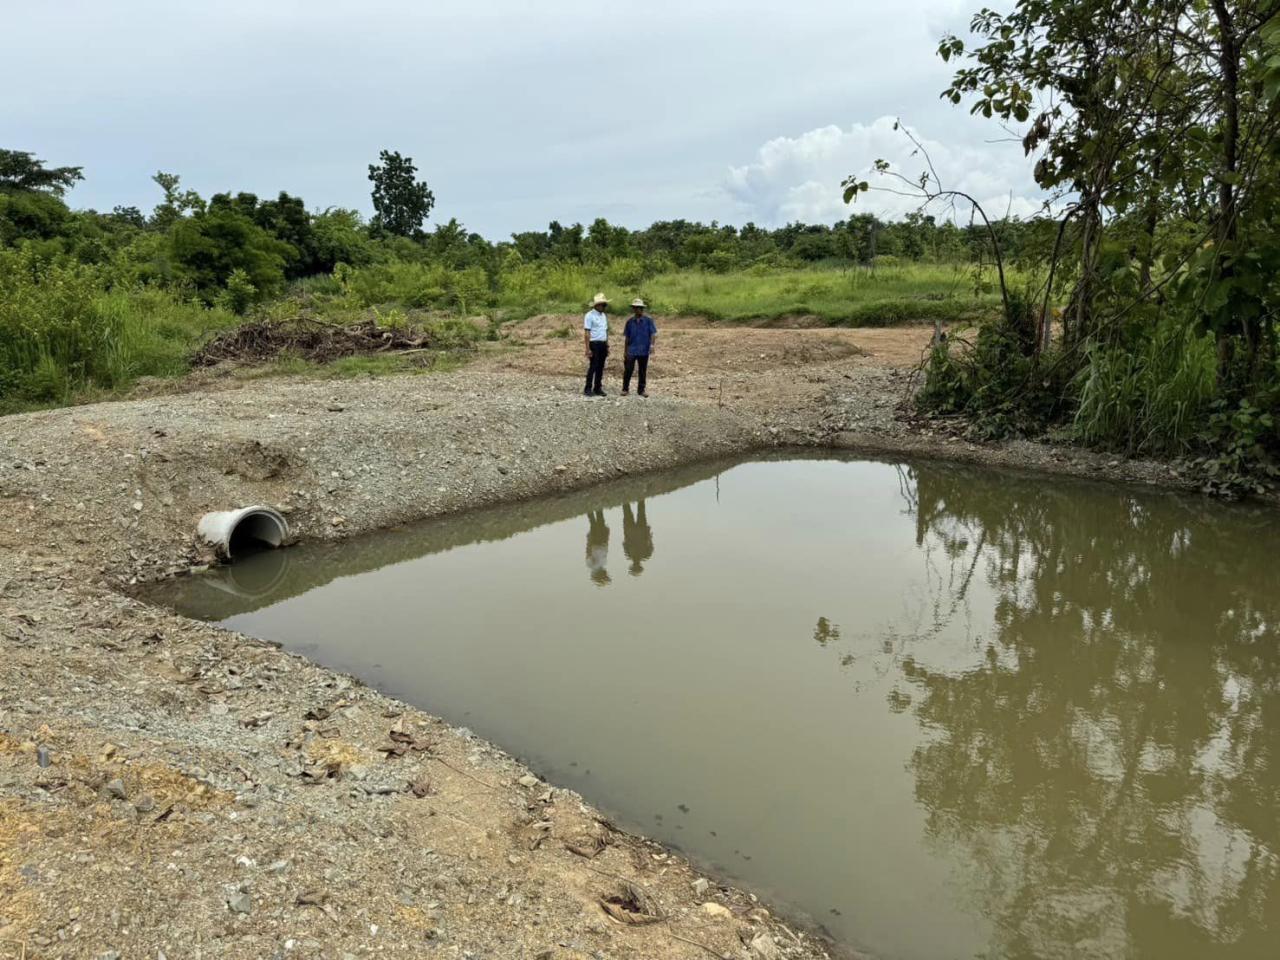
(168,789)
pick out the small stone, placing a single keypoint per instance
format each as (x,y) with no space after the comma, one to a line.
(137,506)
(561,468)
(528,780)
(716,911)
(115,788)
(43,757)
(145,803)
(701,886)
(240,902)
(762,946)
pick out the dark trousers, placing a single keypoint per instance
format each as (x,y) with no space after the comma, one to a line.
(595,367)
(639,364)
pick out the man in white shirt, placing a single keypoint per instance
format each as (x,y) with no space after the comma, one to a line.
(595,337)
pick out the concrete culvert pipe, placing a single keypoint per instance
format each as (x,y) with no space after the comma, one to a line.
(235,533)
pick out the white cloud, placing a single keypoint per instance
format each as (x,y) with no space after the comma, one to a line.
(798,178)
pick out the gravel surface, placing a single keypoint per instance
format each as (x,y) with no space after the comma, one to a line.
(168,789)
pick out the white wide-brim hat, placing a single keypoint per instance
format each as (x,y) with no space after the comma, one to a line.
(599,298)
(637,302)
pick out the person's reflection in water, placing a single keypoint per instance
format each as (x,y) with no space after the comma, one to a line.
(637,538)
(598,547)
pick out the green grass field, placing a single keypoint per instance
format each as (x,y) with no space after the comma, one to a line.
(858,296)
(850,296)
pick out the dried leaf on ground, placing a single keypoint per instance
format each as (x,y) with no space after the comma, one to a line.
(586,845)
(630,904)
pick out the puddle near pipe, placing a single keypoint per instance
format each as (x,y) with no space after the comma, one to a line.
(942,711)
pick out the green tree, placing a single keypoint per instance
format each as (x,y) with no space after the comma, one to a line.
(211,246)
(177,203)
(339,236)
(400,202)
(285,218)
(31,206)
(21,171)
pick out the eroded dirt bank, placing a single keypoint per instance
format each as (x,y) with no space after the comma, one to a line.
(169,789)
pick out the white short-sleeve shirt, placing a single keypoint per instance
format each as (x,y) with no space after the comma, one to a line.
(597,323)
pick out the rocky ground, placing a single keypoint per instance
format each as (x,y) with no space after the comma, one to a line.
(168,789)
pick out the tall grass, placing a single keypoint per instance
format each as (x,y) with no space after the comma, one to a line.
(1148,397)
(65,332)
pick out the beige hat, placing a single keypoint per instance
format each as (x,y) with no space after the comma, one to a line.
(637,302)
(599,298)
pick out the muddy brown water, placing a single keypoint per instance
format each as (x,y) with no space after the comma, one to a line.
(939,711)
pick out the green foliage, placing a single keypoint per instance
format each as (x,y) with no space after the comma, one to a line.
(239,293)
(416,285)
(65,331)
(996,384)
(401,202)
(211,246)
(22,172)
(1242,440)
(1147,397)
(338,237)
(176,204)
(1162,130)
(27,215)
(468,290)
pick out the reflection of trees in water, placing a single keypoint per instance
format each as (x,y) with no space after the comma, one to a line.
(1112,769)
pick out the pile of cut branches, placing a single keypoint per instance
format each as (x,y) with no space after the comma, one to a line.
(319,341)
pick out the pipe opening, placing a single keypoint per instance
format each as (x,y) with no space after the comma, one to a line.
(254,532)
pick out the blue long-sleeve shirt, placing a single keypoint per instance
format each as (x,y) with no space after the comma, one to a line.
(638,334)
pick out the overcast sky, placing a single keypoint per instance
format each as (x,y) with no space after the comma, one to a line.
(516,113)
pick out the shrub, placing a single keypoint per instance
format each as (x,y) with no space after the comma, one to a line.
(468,289)
(239,294)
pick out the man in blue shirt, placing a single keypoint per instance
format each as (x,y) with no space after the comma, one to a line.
(640,335)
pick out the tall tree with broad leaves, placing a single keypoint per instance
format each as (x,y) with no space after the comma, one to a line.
(1141,112)
(401,203)
(20,170)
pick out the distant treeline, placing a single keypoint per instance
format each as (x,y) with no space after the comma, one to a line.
(241,248)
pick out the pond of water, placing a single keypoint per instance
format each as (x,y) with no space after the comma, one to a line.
(940,711)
